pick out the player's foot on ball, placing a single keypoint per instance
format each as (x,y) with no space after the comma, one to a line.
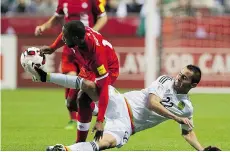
(71,125)
(37,73)
(57,147)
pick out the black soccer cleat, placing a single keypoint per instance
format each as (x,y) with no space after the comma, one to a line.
(37,73)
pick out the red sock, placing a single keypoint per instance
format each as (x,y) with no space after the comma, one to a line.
(73,115)
(72,96)
(84,117)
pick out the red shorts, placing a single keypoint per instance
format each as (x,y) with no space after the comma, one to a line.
(67,61)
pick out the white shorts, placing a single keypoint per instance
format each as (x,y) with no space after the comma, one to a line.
(117,118)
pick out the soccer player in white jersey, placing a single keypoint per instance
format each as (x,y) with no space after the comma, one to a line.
(134,111)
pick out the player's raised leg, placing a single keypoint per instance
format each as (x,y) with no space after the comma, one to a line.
(117,127)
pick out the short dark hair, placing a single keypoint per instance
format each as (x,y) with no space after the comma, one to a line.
(196,73)
(75,28)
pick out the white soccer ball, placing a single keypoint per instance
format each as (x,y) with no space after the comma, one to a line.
(32,54)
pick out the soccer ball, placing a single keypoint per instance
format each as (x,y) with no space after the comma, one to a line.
(32,54)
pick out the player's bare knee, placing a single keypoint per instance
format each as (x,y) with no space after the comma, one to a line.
(90,88)
(105,144)
(87,85)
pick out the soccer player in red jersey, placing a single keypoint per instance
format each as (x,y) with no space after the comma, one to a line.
(91,13)
(95,54)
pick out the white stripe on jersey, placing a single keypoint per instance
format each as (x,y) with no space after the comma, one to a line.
(102,77)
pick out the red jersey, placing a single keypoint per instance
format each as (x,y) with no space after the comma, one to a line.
(98,52)
(99,57)
(86,11)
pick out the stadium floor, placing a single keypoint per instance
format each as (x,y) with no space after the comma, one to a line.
(32,119)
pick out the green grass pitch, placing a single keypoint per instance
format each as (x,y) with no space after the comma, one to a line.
(32,119)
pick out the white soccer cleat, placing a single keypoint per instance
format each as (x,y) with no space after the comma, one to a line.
(49,148)
(57,147)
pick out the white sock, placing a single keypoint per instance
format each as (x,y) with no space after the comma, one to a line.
(83,126)
(67,81)
(95,110)
(84,146)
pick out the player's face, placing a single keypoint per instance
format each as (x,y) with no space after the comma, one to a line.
(72,41)
(80,43)
(66,37)
(184,79)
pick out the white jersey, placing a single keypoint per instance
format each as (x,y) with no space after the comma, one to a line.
(178,104)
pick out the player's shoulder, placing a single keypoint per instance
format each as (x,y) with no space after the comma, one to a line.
(164,79)
(163,82)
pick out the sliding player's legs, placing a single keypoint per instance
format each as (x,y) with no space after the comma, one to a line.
(118,121)
(117,128)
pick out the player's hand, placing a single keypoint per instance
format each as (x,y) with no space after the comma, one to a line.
(186,121)
(99,128)
(39,30)
(46,50)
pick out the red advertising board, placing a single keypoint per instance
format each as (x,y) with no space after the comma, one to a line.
(214,62)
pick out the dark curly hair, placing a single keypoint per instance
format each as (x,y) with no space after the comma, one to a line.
(196,73)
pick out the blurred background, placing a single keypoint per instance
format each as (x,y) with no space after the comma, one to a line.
(178,32)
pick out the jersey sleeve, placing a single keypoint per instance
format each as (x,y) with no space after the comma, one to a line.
(159,86)
(99,8)
(102,80)
(186,127)
(57,43)
(59,10)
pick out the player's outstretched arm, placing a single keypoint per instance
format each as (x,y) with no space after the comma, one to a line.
(155,105)
(98,8)
(53,21)
(101,21)
(191,138)
(54,46)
